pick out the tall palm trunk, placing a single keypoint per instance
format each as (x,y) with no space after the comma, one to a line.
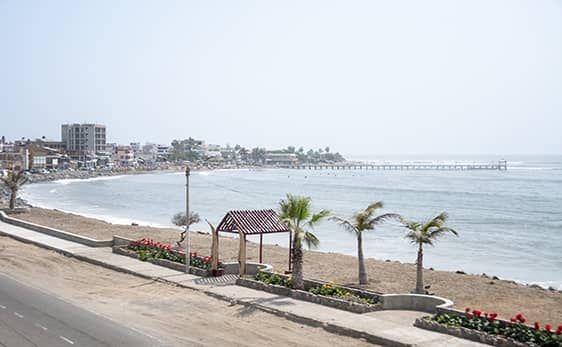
(14,192)
(419,271)
(296,279)
(360,258)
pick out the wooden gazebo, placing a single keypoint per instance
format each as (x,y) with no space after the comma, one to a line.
(253,222)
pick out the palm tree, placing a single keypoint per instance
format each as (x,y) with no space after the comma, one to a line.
(362,221)
(296,213)
(14,180)
(426,233)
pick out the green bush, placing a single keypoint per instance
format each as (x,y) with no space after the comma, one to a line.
(515,329)
(332,290)
(324,290)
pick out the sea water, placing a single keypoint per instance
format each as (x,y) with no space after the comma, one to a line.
(509,222)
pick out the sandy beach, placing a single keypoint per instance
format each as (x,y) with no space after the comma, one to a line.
(476,291)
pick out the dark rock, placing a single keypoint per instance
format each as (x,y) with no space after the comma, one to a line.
(460,272)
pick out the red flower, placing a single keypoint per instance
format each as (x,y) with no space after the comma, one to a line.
(486,314)
(522,320)
(559,330)
(467,309)
(477,313)
(547,327)
(493,316)
(194,254)
(469,315)
(537,326)
(513,319)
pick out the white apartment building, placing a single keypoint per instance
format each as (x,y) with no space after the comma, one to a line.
(83,139)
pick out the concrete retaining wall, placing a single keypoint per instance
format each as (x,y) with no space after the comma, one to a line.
(415,302)
(306,296)
(55,232)
(251,268)
(163,262)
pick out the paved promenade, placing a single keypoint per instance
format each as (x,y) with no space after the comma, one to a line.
(393,328)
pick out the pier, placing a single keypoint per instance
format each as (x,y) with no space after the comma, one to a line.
(498,166)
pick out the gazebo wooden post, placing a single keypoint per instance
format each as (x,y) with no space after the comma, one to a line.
(242,253)
(290,250)
(261,248)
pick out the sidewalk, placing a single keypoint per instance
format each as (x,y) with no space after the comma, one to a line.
(392,328)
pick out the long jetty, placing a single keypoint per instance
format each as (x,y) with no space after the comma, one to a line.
(500,166)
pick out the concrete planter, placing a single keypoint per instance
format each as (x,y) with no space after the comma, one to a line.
(468,334)
(334,302)
(163,262)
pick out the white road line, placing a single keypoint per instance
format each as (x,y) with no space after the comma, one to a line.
(66,340)
(3,307)
(40,326)
(19,315)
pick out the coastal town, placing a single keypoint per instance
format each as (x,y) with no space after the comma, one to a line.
(86,147)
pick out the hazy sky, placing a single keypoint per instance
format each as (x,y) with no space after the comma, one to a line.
(364,77)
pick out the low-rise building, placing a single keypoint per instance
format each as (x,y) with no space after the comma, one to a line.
(281,159)
(163,152)
(124,156)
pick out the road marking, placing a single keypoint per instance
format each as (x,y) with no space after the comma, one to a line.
(19,315)
(66,340)
(40,326)
(3,307)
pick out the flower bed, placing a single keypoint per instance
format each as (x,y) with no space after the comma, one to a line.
(317,292)
(485,327)
(162,254)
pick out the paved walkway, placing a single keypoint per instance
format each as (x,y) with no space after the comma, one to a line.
(383,327)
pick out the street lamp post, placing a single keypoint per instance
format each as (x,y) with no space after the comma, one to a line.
(187,256)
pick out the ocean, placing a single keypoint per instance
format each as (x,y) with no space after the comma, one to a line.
(509,222)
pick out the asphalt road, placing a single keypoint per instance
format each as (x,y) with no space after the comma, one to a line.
(29,317)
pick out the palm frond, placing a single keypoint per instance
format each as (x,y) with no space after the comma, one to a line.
(346,224)
(436,232)
(317,217)
(311,240)
(374,206)
(385,217)
(436,222)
